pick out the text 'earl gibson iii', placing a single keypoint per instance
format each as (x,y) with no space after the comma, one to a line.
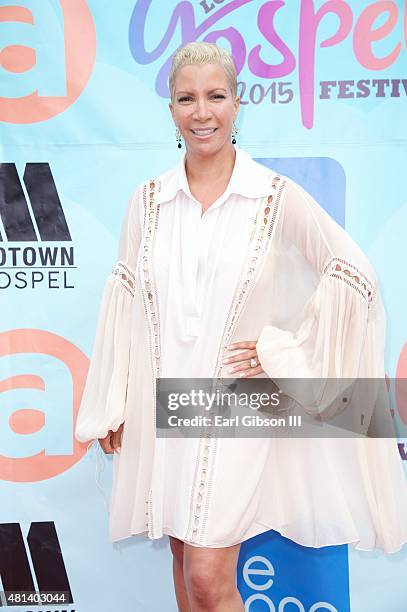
(237,420)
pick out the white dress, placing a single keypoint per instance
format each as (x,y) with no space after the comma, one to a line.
(263,263)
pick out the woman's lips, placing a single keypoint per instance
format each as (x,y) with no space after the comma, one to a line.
(203,132)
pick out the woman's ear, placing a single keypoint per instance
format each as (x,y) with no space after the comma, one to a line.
(236,105)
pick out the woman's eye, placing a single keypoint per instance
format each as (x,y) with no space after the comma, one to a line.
(189,98)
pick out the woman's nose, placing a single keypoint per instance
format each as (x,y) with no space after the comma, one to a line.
(202,110)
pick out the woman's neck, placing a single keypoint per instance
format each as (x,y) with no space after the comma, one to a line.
(210,169)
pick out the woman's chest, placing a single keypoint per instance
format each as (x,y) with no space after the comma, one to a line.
(195,249)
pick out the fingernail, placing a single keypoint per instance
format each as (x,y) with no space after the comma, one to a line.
(118,449)
(242,374)
(226,360)
(231,370)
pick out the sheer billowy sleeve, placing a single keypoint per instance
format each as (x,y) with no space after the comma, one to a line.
(104,397)
(338,331)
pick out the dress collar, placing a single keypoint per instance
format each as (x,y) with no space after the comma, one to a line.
(249,179)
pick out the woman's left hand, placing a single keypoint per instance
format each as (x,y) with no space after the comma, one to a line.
(246,363)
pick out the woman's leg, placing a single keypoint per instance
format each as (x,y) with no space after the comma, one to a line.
(210,579)
(177,549)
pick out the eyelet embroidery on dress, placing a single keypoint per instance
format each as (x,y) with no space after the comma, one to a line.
(263,228)
(151,213)
(125,276)
(352,276)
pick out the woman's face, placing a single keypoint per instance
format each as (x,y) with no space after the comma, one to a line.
(203,108)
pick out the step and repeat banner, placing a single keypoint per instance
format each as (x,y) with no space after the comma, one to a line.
(84,119)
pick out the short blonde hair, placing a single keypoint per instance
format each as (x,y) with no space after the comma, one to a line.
(203,53)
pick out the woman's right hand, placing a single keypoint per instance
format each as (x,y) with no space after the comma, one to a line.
(112,442)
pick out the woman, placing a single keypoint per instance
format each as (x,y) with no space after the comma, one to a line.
(227,269)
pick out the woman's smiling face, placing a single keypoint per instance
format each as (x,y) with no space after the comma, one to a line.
(204,108)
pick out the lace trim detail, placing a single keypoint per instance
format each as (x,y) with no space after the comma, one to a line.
(151,214)
(352,276)
(262,231)
(151,211)
(264,223)
(125,276)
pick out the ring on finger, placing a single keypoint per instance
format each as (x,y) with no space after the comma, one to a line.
(253,362)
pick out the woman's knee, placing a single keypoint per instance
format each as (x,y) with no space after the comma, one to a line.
(206,582)
(202,583)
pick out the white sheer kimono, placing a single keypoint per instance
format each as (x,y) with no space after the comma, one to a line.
(264,263)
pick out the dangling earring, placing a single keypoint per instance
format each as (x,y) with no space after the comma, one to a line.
(234,132)
(178,138)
